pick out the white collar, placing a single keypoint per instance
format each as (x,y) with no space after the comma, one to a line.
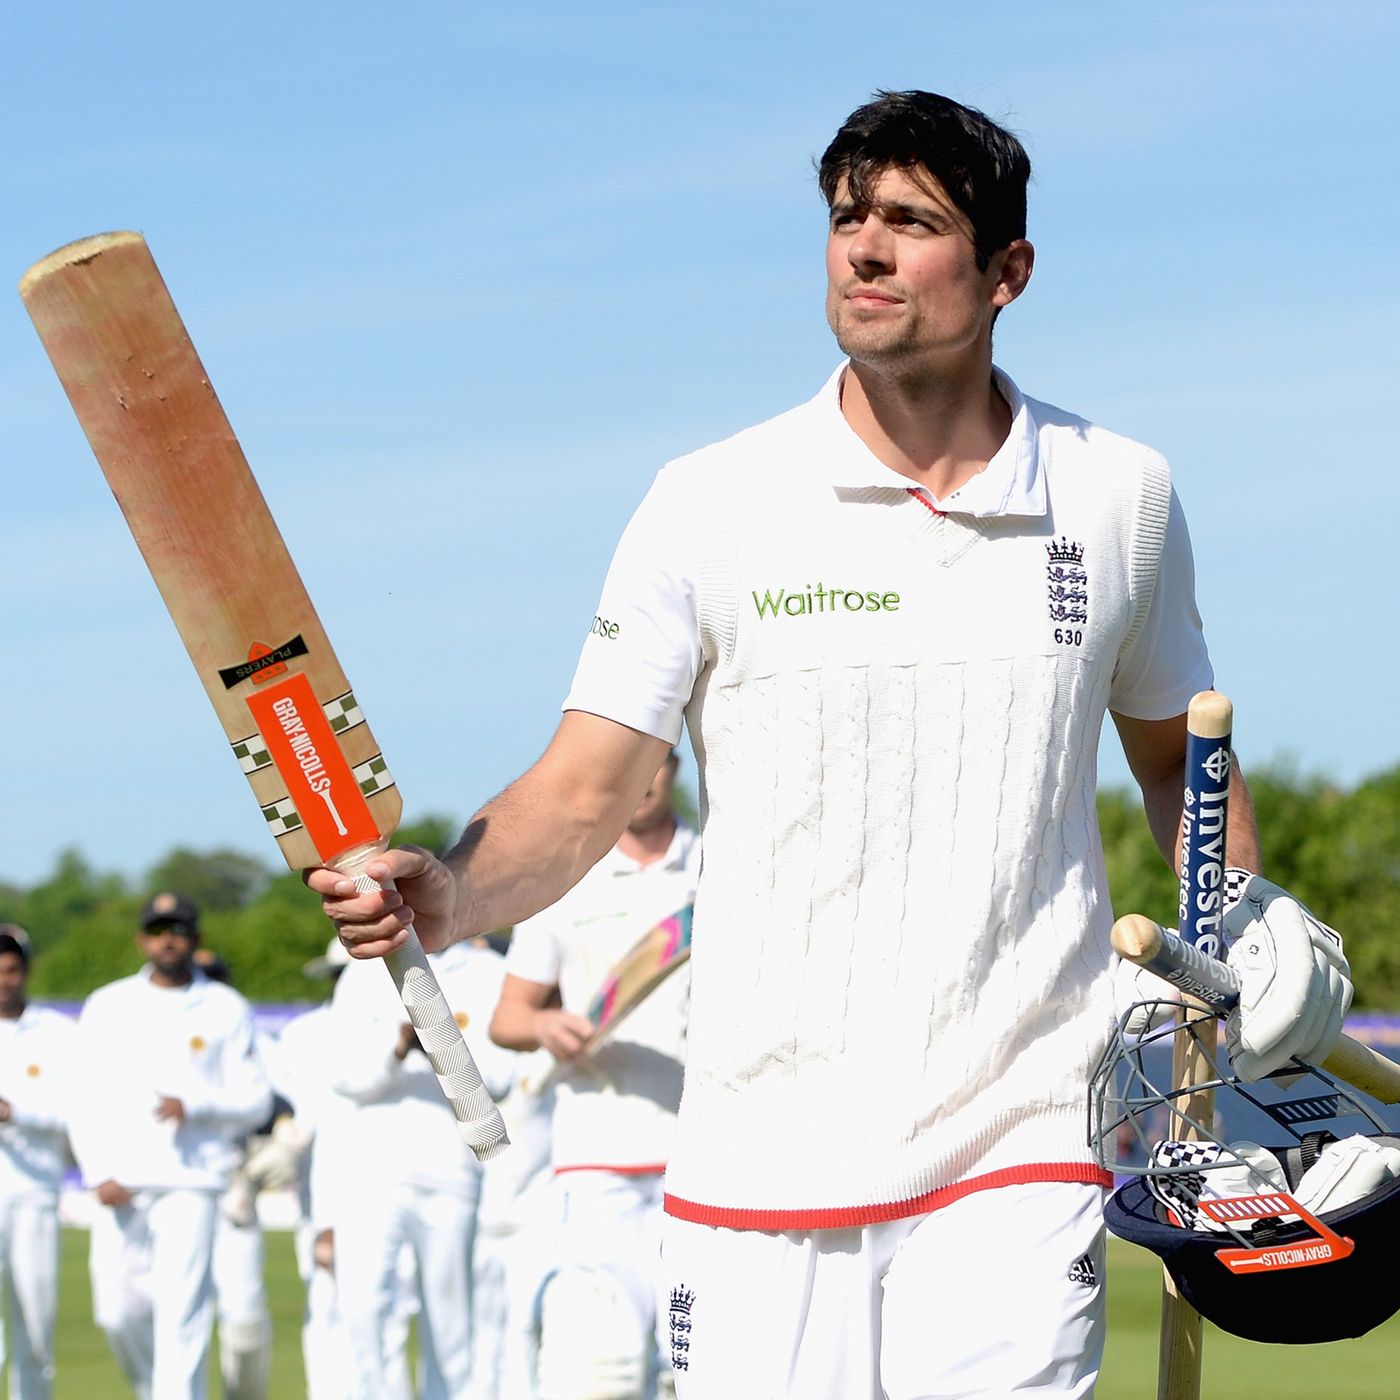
(1011,484)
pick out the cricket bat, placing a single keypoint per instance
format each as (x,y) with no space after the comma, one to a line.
(166,448)
(1205,804)
(640,971)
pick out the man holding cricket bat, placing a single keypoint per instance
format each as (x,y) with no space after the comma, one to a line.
(893,619)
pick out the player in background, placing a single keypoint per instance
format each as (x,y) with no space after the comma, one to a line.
(512,1232)
(172,1086)
(240,1293)
(404,1177)
(614,1113)
(36,1084)
(300,1065)
(321,1135)
(893,619)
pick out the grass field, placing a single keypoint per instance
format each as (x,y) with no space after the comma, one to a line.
(1365,1369)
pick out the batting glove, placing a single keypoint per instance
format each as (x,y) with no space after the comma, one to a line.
(1295,984)
(1142,1001)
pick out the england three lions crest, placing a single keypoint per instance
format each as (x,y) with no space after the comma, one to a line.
(1067,583)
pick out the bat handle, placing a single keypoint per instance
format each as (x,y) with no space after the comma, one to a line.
(478,1118)
(1137,939)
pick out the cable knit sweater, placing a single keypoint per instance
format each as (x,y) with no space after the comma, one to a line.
(901,937)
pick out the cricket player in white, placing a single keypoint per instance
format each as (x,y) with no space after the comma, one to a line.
(240,1292)
(614,1114)
(513,1234)
(300,1065)
(893,620)
(171,1085)
(411,1179)
(36,1082)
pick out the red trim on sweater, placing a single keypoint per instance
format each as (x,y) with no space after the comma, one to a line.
(655,1169)
(836,1217)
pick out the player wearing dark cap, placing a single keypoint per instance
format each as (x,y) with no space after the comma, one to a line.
(173,1083)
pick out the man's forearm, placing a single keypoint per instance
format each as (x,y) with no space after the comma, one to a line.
(1162,801)
(533,843)
(513,1026)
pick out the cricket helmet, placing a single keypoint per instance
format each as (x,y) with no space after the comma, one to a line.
(1290,1242)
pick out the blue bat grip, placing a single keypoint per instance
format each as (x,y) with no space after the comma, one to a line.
(1204,808)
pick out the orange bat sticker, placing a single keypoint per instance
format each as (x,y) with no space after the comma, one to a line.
(319,781)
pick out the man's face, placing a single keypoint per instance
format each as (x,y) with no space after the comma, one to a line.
(13,976)
(655,806)
(903,288)
(169,948)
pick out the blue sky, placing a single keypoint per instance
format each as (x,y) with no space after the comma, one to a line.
(465,276)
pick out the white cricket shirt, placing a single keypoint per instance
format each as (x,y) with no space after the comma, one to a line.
(36,1077)
(644,653)
(138,1043)
(617,1110)
(900,968)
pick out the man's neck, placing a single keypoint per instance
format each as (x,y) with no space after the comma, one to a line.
(170,980)
(938,430)
(649,846)
(13,1011)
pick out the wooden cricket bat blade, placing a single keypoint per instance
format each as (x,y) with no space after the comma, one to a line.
(156,427)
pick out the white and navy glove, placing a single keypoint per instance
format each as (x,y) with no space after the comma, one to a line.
(1295,984)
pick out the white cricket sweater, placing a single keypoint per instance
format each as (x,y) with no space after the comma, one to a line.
(900,966)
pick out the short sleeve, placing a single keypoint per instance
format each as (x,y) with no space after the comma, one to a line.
(533,952)
(643,652)
(1167,662)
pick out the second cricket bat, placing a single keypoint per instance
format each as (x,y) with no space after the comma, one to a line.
(166,448)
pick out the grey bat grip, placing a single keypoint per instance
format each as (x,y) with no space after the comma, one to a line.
(478,1118)
(1174,960)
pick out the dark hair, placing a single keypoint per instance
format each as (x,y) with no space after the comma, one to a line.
(983,167)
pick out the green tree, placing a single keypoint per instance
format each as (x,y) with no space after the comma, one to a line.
(216,880)
(68,899)
(267,943)
(1139,879)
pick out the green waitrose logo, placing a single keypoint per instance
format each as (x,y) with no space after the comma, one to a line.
(822,599)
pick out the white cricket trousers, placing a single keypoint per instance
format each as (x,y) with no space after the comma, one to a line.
(998,1294)
(29,1286)
(245,1324)
(325,1345)
(598,1293)
(153,1290)
(439,1227)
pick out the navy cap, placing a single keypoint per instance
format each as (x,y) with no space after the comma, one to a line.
(1325,1302)
(170,908)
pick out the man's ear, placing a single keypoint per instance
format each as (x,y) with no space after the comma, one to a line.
(1013,266)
